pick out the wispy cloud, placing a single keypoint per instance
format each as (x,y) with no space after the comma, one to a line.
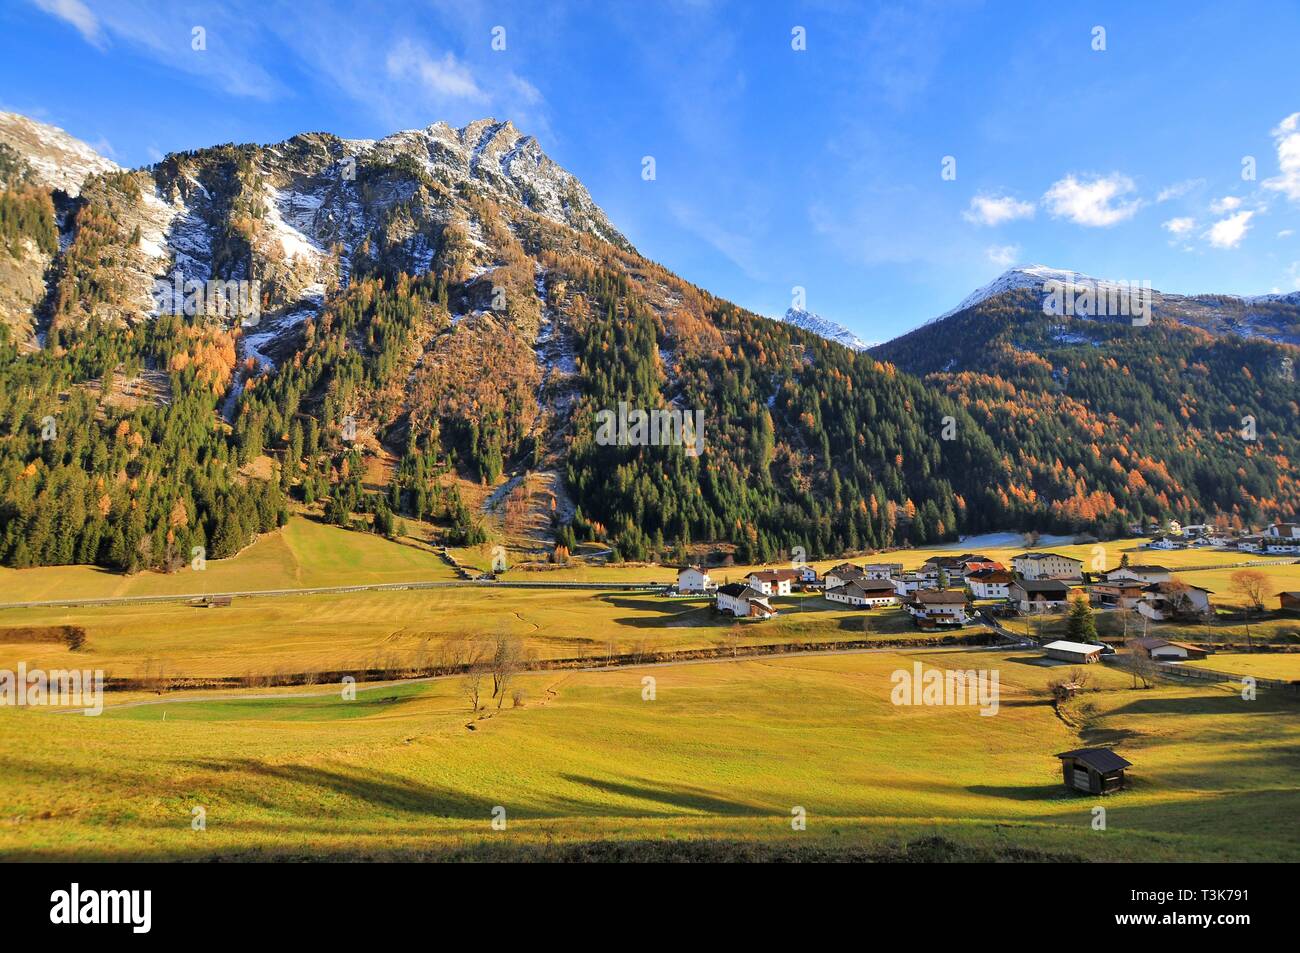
(1229,203)
(79,15)
(1095,201)
(996,209)
(166,32)
(738,246)
(1179,189)
(1179,226)
(439,76)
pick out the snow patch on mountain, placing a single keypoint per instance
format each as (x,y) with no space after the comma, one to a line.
(58,160)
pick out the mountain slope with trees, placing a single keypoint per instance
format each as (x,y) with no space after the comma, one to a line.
(449,307)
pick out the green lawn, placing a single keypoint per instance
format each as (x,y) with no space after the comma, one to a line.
(724,752)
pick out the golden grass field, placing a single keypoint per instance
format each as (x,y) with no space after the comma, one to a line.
(722,755)
(288,634)
(1284,666)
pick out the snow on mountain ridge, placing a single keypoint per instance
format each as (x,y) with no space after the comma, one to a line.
(58,160)
(504,160)
(823,327)
(1034,277)
(1264,316)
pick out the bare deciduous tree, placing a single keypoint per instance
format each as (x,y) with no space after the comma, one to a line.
(475,671)
(506,662)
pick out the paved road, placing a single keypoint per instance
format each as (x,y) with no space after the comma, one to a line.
(330,590)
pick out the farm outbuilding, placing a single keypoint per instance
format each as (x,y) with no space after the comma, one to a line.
(1093,770)
(1162,650)
(1082,652)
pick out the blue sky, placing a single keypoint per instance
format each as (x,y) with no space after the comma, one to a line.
(819,168)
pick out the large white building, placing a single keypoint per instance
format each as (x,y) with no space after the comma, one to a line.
(1047,566)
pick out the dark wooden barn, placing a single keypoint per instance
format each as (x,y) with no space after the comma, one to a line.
(1093,770)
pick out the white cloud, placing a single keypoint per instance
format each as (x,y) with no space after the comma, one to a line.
(996,209)
(1286,233)
(79,15)
(1179,226)
(1179,189)
(443,78)
(1229,203)
(1096,201)
(1003,256)
(1228,232)
(1287,137)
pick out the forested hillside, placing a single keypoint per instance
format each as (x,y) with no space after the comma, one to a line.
(447,307)
(1102,422)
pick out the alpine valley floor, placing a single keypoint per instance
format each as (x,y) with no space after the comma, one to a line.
(711,767)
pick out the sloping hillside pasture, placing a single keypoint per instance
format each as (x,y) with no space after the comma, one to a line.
(303,554)
(724,752)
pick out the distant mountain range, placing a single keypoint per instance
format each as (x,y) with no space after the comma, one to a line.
(1272,316)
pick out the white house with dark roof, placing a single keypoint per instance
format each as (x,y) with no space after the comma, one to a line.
(990,584)
(938,607)
(774,582)
(907,583)
(844,572)
(865,593)
(1039,595)
(744,602)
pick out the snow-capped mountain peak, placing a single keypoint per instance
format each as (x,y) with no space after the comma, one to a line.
(1022,276)
(822,327)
